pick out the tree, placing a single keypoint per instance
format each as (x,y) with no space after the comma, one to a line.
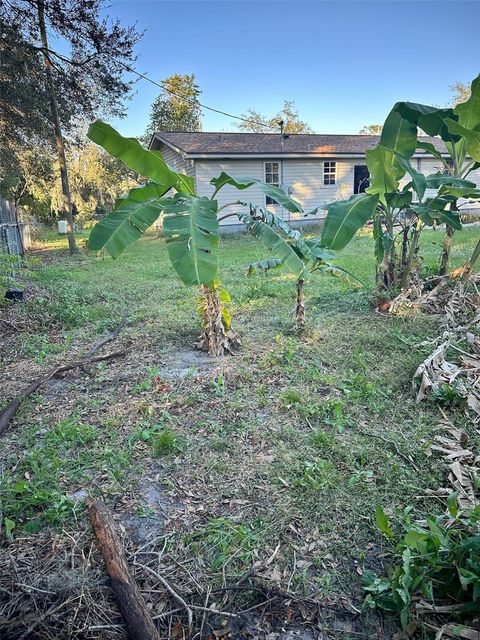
(87,81)
(258,123)
(371,129)
(461,93)
(177,107)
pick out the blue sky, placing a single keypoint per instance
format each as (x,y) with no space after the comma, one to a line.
(343,63)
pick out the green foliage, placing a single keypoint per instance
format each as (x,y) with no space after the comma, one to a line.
(258,123)
(177,107)
(191,230)
(165,442)
(345,218)
(439,560)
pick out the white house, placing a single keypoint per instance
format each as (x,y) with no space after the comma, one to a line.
(314,169)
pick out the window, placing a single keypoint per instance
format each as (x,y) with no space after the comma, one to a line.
(272,176)
(329,172)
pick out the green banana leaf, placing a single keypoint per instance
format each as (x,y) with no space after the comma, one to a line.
(132,216)
(269,190)
(429,119)
(471,141)
(399,135)
(264,265)
(436,180)
(430,148)
(345,218)
(399,199)
(461,192)
(418,179)
(384,173)
(428,213)
(191,231)
(275,243)
(149,164)
(468,115)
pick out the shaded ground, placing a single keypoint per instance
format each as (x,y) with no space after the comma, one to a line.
(250,482)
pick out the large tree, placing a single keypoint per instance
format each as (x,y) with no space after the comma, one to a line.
(371,129)
(84,77)
(258,123)
(461,93)
(177,106)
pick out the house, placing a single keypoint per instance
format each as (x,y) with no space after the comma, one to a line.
(314,169)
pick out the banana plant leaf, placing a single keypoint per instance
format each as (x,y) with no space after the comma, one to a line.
(384,173)
(143,161)
(191,231)
(264,265)
(436,180)
(269,190)
(430,148)
(471,142)
(399,135)
(468,115)
(461,192)
(132,216)
(277,244)
(429,214)
(382,241)
(418,179)
(399,199)
(429,119)
(319,252)
(339,272)
(345,218)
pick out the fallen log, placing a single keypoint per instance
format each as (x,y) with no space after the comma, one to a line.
(11,409)
(133,608)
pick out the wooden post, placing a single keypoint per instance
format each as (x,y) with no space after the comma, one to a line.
(133,608)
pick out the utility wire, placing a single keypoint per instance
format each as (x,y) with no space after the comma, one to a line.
(178,95)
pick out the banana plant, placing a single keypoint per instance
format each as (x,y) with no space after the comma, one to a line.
(459,128)
(400,214)
(302,257)
(191,226)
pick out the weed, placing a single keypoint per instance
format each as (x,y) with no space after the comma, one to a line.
(165,442)
(314,476)
(323,440)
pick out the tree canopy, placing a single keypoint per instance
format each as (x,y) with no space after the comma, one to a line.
(259,123)
(371,129)
(177,106)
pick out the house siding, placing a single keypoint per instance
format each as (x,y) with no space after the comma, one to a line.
(302,178)
(176,160)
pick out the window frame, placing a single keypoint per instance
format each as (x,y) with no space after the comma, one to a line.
(270,201)
(329,173)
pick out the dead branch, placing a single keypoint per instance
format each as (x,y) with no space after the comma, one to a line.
(11,409)
(133,607)
(112,335)
(172,592)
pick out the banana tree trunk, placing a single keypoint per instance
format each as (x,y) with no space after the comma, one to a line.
(407,269)
(447,246)
(215,338)
(300,306)
(465,270)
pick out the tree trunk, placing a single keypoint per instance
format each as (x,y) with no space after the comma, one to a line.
(215,338)
(447,245)
(300,306)
(407,269)
(133,607)
(67,203)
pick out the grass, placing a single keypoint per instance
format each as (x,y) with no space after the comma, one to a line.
(264,448)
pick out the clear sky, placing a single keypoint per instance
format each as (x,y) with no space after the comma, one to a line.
(344,63)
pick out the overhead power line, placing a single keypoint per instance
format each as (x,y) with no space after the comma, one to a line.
(178,95)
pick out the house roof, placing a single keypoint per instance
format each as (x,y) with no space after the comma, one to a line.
(219,144)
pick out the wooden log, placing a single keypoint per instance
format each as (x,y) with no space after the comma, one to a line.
(133,608)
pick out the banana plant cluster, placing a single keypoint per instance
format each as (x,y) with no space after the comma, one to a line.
(400,214)
(191,227)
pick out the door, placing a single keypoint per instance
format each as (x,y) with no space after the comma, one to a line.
(361,178)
